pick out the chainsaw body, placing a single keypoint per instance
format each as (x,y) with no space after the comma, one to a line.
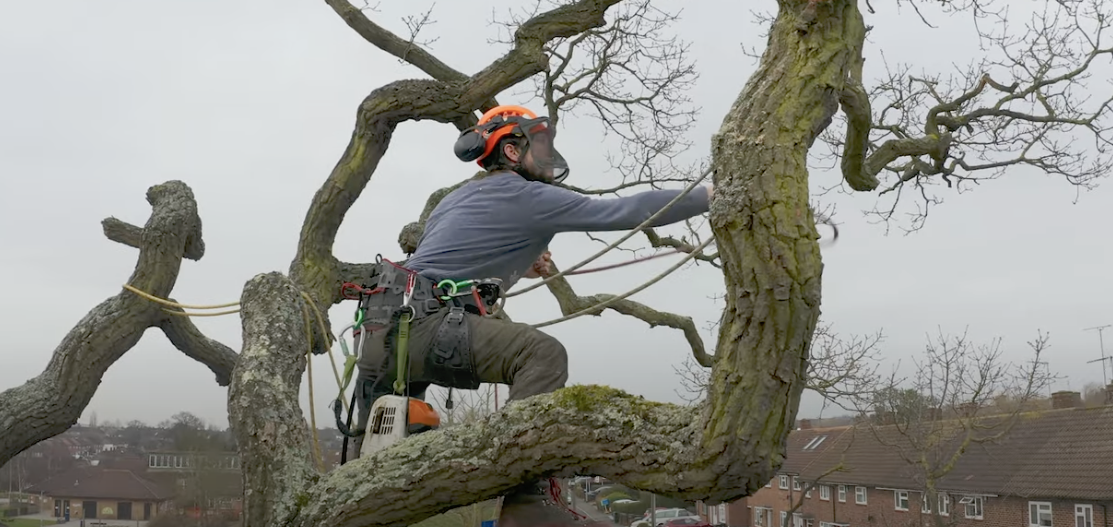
(393,418)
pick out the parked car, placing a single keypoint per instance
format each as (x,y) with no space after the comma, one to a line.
(687,522)
(665,515)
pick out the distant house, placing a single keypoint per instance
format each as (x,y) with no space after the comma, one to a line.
(206,483)
(94,492)
(1053,469)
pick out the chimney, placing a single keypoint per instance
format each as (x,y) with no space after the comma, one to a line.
(1066,399)
(806,424)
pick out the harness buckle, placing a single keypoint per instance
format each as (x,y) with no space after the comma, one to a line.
(455,315)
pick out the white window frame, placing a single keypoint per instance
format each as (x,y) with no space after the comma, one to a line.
(944,504)
(784,482)
(808,493)
(1084,513)
(784,518)
(769,484)
(797,519)
(861,492)
(977,502)
(722,510)
(825,492)
(925,505)
(1036,511)
(842,493)
(898,496)
(796,483)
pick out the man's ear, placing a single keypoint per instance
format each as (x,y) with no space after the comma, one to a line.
(510,151)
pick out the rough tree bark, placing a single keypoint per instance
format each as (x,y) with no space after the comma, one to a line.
(727,449)
(53,401)
(767,238)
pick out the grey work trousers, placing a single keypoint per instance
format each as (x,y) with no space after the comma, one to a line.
(530,361)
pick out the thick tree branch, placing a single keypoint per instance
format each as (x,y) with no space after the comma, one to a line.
(263,409)
(185,336)
(125,233)
(570,303)
(50,403)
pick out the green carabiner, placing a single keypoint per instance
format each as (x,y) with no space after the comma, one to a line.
(449,282)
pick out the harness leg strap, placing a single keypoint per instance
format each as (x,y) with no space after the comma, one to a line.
(450,360)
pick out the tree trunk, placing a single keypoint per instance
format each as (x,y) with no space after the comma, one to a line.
(767,237)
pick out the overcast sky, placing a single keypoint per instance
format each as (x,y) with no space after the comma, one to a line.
(251,104)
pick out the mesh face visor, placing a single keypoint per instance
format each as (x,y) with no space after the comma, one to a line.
(546,157)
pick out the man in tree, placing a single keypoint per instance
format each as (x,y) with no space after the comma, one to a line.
(497,227)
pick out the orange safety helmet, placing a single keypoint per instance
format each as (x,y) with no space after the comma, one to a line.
(479,141)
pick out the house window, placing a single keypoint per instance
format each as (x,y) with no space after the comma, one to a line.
(974,506)
(1083,516)
(795,483)
(808,493)
(784,520)
(1039,514)
(769,484)
(784,482)
(825,493)
(944,504)
(842,493)
(763,517)
(900,499)
(797,520)
(925,506)
(722,508)
(860,495)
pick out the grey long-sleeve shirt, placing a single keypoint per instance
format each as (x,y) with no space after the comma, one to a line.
(497,226)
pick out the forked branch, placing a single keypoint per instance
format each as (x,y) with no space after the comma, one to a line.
(50,403)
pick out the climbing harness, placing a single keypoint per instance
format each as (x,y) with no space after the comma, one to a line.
(399,298)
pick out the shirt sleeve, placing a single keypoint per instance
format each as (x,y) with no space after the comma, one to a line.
(555,209)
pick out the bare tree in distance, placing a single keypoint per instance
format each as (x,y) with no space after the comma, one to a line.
(840,370)
(767,251)
(959,395)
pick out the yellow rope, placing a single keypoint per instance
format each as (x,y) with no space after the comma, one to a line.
(331,356)
(188,314)
(309,351)
(166,302)
(312,405)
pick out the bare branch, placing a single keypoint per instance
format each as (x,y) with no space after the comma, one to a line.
(185,336)
(395,45)
(1025,105)
(842,371)
(50,403)
(570,303)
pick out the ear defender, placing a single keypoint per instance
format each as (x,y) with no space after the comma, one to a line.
(470,145)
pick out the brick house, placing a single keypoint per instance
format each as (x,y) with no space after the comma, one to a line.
(95,492)
(1053,469)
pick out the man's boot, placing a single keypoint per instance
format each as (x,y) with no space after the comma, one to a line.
(537,505)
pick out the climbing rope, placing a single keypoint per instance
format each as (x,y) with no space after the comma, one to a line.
(648,221)
(631,292)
